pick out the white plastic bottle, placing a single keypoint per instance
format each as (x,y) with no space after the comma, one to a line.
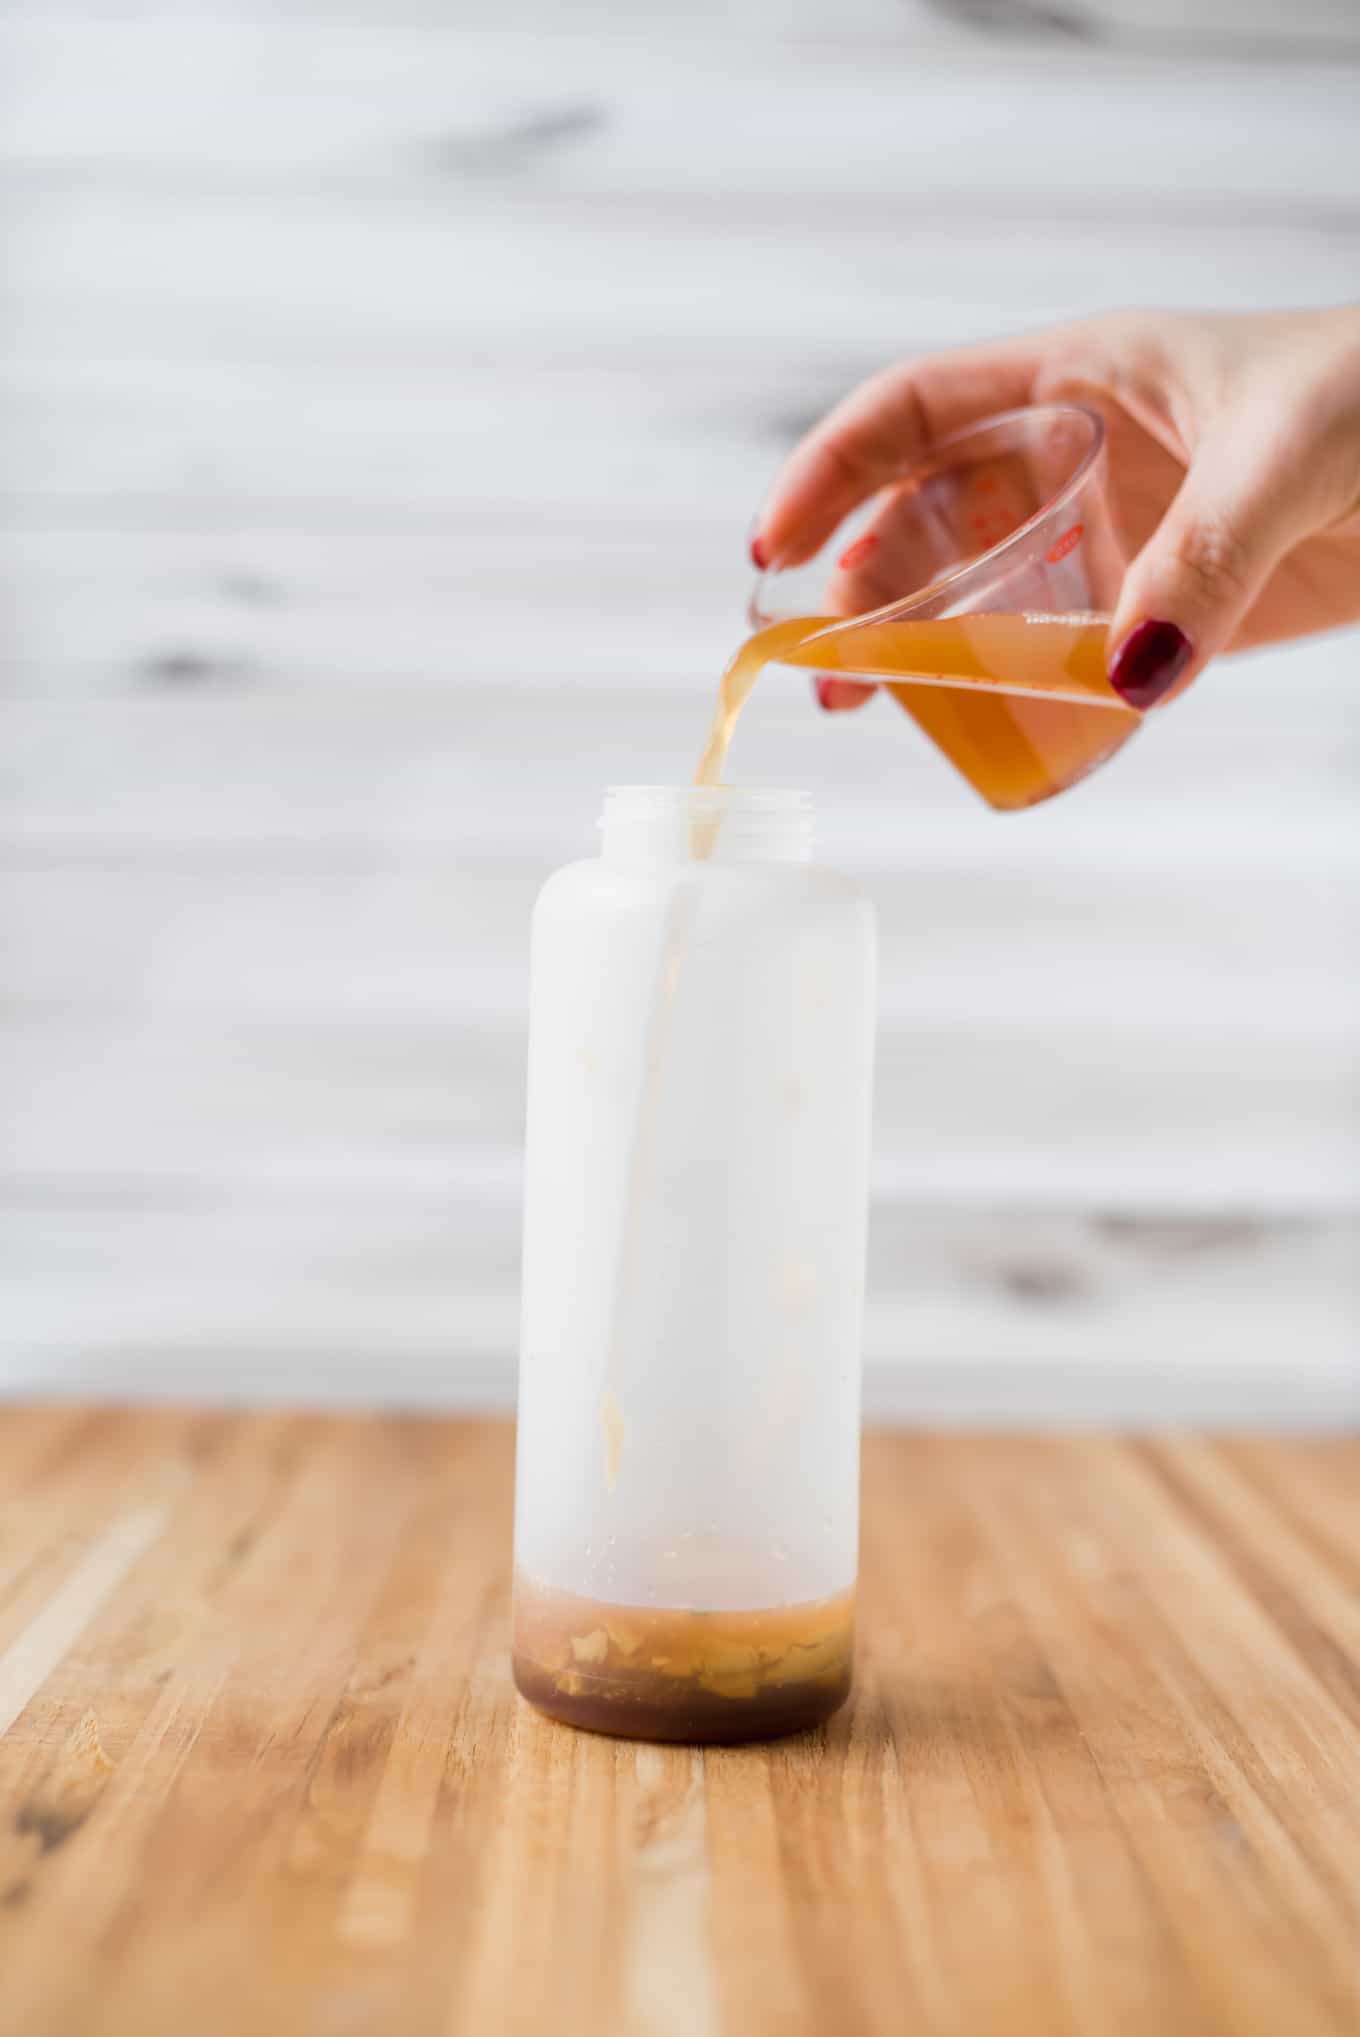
(700,1063)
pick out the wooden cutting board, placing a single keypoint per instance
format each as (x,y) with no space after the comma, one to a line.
(262,1770)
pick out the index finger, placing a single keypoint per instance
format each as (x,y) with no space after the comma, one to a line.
(886,424)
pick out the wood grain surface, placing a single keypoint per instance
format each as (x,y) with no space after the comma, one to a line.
(262,1768)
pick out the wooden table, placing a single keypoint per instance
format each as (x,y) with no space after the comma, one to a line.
(262,1770)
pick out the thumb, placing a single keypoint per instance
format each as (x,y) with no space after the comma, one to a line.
(1185,594)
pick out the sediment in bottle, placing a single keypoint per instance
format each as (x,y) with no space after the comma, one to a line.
(660,1673)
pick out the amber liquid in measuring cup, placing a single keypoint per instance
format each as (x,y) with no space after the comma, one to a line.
(1020,704)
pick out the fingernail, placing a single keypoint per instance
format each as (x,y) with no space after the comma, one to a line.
(855,555)
(836,695)
(760,557)
(1149,662)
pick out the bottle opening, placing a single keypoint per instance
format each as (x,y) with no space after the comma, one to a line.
(706,823)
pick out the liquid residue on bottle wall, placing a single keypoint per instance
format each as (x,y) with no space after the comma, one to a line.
(611,1423)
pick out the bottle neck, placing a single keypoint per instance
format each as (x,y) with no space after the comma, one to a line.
(664,824)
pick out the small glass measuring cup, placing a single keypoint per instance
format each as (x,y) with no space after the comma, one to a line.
(976,588)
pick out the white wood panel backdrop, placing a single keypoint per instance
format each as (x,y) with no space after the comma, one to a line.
(384,393)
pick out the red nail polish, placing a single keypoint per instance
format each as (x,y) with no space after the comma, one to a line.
(837,696)
(760,557)
(855,555)
(1149,662)
(1068,542)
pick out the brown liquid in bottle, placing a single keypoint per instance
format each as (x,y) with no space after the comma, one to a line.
(1020,704)
(654,1673)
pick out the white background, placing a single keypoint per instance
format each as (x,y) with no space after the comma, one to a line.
(385,393)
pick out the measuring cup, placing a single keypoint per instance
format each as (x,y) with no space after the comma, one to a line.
(976,588)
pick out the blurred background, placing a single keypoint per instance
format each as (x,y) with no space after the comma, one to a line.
(385,392)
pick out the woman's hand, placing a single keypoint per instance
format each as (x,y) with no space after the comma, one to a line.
(1234,471)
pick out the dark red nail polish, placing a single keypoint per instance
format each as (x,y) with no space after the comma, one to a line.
(1149,662)
(760,557)
(823,688)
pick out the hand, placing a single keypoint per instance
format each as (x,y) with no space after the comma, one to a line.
(1234,471)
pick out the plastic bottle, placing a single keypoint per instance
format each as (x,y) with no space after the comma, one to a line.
(700,1062)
